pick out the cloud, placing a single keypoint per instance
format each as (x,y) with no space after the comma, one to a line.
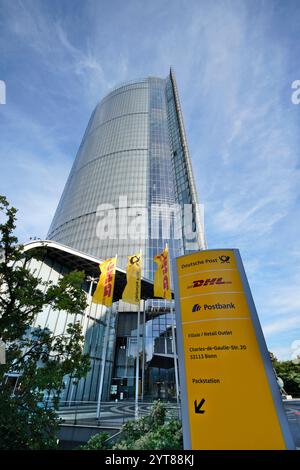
(33,172)
(48,38)
(284,297)
(234,63)
(282,353)
(282,325)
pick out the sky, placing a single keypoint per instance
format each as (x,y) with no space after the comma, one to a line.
(235,62)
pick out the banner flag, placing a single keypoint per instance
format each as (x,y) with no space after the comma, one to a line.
(105,288)
(132,291)
(162,284)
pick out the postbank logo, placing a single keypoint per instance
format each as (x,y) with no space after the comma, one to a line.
(196,308)
(213,306)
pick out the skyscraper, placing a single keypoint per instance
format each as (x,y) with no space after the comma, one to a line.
(134,154)
(133,164)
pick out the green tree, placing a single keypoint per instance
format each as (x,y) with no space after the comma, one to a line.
(289,372)
(152,432)
(165,437)
(97,442)
(40,359)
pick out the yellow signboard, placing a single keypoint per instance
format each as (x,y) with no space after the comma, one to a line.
(229,392)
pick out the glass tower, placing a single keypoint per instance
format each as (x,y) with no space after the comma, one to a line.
(134,156)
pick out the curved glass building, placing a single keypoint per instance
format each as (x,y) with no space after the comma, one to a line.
(134,154)
(133,165)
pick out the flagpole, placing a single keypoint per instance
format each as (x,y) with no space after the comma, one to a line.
(143,363)
(137,363)
(103,358)
(174,346)
(175,355)
(84,326)
(89,308)
(137,366)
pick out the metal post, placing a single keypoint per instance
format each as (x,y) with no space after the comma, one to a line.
(175,354)
(103,359)
(143,363)
(89,307)
(137,365)
(84,328)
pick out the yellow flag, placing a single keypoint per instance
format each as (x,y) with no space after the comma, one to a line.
(105,288)
(132,291)
(162,284)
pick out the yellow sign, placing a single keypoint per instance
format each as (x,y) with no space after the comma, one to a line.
(105,288)
(132,291)
(162,284)
(228,389)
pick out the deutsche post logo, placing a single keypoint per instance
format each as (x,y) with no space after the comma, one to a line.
(224,259)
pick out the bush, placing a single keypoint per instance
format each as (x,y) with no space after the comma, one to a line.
(96,442)
(289,372)
(151,432)
(165,437)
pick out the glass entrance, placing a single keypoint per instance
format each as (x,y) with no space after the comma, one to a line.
(156,356)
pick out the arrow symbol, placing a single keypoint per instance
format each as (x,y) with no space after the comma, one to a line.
(198,407)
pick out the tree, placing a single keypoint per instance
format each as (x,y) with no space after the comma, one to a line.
(289,372)
(152,432)
(97,442)
(40,359)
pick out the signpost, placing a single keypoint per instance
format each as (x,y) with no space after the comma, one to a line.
(229,394)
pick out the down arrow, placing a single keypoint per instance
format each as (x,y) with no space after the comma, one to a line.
(198,407)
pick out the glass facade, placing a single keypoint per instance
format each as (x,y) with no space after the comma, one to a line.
(134,147)
(112,161)
(52,268)
(134,153)
(156,354)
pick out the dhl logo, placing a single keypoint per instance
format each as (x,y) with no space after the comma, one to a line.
(209,282)
(165,271)
(109,280)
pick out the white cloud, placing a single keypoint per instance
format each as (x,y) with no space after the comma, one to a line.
(232,71)
(48,38)
(282,325)
(33,171)
(285,299)
(282,353)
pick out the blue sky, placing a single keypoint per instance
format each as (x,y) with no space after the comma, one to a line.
(234,61)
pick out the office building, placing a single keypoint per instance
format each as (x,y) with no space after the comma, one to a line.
(133,157)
